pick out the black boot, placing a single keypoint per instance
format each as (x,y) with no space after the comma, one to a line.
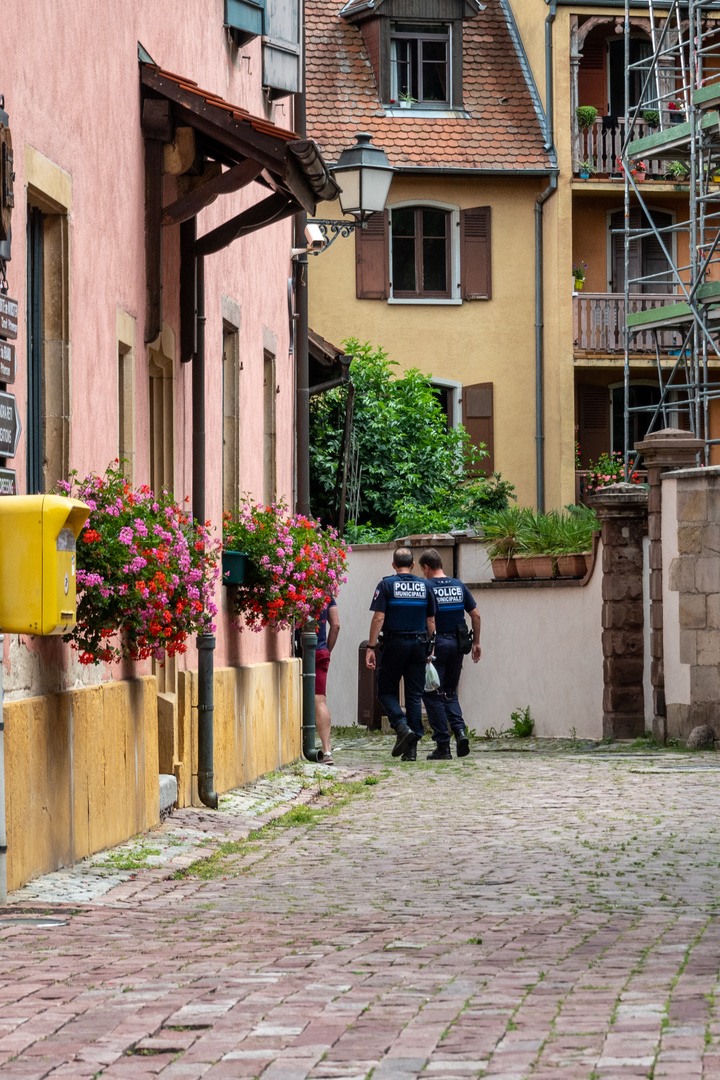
(441,753)
(404,739)
(462,742)
(410,754)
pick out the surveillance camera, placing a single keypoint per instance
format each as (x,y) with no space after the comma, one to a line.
(315,239)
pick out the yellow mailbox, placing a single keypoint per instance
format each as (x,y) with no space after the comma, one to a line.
(37,562)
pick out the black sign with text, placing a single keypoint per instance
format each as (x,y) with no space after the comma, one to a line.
(8,482)
(8,367)
(9,425)
(8,317)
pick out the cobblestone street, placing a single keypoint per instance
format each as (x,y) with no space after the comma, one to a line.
(547,914)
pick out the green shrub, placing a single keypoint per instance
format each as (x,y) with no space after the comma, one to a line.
(586,115)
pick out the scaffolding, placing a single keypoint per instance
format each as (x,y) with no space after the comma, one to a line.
(680,81)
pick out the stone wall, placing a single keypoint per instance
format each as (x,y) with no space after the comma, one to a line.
(691,500)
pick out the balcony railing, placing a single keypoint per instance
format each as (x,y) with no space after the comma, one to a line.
(601,144)
(599,323)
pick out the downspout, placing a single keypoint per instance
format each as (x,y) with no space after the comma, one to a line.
(308,637)
(205,642)
(539,297)
(539,344)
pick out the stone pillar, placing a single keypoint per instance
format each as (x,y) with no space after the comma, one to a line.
(622,509)
(662,451)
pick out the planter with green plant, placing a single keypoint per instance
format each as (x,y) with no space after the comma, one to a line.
(579,275)
(586,116)
(586,168)
(677,171)
(651,117)
(574,540)
(504,529)
(407,101)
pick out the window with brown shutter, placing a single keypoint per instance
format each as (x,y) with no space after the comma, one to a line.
(372,259)
(593,422)
(477,417)
(475,254)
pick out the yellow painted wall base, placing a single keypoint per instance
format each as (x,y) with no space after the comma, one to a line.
(82,766)
(81,774)
(257,725)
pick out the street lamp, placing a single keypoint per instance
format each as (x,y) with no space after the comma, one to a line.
(364,175)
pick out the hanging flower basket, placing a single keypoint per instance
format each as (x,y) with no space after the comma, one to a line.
(294,566)
(146,572)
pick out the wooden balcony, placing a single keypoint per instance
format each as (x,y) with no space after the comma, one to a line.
(599,324)
(602,146)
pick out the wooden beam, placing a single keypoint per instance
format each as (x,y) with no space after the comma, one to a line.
(274,208)
(188,290)
(153,238)
(189,205)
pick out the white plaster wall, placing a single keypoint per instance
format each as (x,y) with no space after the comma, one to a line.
(677,675)
(541,647)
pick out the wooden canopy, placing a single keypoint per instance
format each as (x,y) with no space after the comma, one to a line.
(216,148)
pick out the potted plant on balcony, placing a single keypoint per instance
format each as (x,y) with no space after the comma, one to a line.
(677,171)
(586,116)
(677,112)
(651,117)
(579,275)
(585,168)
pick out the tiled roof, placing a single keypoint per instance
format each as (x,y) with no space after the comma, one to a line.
(502,131)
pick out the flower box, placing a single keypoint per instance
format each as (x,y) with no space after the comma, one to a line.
(503,569)
(543,566)
(524,564)
(233,567)
(571,566)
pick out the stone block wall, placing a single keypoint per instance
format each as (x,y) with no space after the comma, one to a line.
(694,574)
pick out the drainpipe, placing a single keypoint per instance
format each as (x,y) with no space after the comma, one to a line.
(308,640)
(539,299)
(549,100)
(205,642)
(3,833)
(539,358)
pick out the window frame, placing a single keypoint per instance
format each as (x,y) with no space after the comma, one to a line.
(419,38)
(453,254)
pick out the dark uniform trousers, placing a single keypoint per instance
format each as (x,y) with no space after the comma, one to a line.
(442,706)
(403,657)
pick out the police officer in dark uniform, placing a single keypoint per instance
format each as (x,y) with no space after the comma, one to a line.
(404,609)
(452,643)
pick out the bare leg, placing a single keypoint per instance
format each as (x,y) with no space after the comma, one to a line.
(322,721)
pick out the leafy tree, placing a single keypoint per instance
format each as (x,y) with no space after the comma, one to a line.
(412,466)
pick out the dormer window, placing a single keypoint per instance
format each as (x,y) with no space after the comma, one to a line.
(420,63)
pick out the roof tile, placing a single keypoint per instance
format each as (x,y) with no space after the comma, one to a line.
(501,132)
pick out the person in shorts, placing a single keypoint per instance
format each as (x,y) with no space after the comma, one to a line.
(328,629)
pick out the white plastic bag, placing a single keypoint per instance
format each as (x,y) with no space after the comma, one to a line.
(432,679)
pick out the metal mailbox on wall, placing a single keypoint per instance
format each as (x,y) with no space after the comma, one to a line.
(37,563)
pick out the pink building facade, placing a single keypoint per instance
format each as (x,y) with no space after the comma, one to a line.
(100,371)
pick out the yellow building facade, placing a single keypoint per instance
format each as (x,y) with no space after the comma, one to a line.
(554,362)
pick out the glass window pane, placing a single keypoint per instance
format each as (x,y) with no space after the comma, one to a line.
(403,222)
(434,223)
(435,87)
(434,266)
(403,270)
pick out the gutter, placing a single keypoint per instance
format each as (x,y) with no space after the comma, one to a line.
(456,170)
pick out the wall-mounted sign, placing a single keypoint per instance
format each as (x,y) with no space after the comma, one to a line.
(8,366)
(9,425)
(8,317)
(8,482)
